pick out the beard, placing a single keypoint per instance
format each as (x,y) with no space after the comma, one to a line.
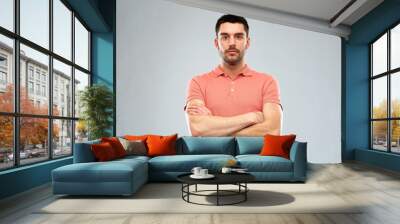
(232,59)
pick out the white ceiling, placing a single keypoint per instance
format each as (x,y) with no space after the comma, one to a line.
(320,9)
(314,15)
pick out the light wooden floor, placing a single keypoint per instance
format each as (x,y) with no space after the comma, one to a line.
(378,188)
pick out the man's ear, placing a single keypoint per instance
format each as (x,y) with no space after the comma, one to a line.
(216,43)
(248,43)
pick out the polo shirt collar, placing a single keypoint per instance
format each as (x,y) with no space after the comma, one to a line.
(218,71)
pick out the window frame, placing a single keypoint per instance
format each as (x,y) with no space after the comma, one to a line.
(16,114)
(388,74)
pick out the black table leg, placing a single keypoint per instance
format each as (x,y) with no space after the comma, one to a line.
(217,194)
(182,189)
(188,189)
(245,193)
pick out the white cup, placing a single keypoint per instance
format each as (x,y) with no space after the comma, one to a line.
(196,170)
(203,172)
(226,170)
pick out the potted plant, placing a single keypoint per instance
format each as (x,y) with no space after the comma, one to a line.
(96,102)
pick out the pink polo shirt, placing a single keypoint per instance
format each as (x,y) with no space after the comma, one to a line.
(248,92)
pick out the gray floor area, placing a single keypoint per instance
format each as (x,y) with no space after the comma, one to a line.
(378,188)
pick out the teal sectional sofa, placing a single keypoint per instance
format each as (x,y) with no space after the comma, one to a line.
(125,176)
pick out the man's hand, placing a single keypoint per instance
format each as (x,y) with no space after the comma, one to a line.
(257,117)
(270,125)
(198,110)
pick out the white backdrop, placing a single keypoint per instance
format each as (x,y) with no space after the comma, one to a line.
(162,45)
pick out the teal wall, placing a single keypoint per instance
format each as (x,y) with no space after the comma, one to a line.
(24,178)
(99,15)
(103,51)
(102,58)
(356,105)
(103,64)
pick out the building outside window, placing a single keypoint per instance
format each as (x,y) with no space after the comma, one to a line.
(30,73)
(43,78)
(3,78)
(3,72)
(30,87)
(43,90)
(55,95)
(3,61)
(38,89)
(37,75)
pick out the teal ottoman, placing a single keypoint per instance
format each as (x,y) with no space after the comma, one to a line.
(118,177)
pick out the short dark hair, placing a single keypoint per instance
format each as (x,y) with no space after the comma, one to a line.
(228,18)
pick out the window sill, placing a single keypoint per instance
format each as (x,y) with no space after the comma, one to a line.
(26,167)
(390,161)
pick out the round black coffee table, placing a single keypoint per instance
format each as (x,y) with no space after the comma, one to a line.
(238,179)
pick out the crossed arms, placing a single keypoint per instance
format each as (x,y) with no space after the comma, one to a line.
(202,123)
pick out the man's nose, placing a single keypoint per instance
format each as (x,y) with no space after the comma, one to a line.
(232,46)
(232,42)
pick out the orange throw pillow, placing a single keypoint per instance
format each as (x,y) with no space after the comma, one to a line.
(136,137)
(116,145)
(161,145)
(103,151)
(277,145)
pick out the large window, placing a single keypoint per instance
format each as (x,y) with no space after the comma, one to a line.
(44,64)
(385,91)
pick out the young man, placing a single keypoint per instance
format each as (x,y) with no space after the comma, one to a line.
(233,99)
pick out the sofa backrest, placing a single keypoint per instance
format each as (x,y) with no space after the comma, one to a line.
(206,145)
(83,152)
(249,145)
(191,146)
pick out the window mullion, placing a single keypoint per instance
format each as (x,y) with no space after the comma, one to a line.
(16,84)
(389,113)
(73,82)
(371,98)
(50,81)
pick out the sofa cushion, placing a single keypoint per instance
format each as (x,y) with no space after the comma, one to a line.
(277,145)
(159,145)
(185,163)
(111,171)
(136,137)
(257,163)
(103,152)
(135,147)
(249,145)
(132,158)
(116,145)
(189,145)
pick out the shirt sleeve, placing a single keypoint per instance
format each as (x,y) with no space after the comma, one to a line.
(271,92)
(194,92)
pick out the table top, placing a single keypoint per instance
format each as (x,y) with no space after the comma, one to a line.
(220,178)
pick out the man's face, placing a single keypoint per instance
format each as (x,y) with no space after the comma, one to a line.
(232,42)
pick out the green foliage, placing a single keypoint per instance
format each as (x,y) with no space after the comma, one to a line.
(96,102)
